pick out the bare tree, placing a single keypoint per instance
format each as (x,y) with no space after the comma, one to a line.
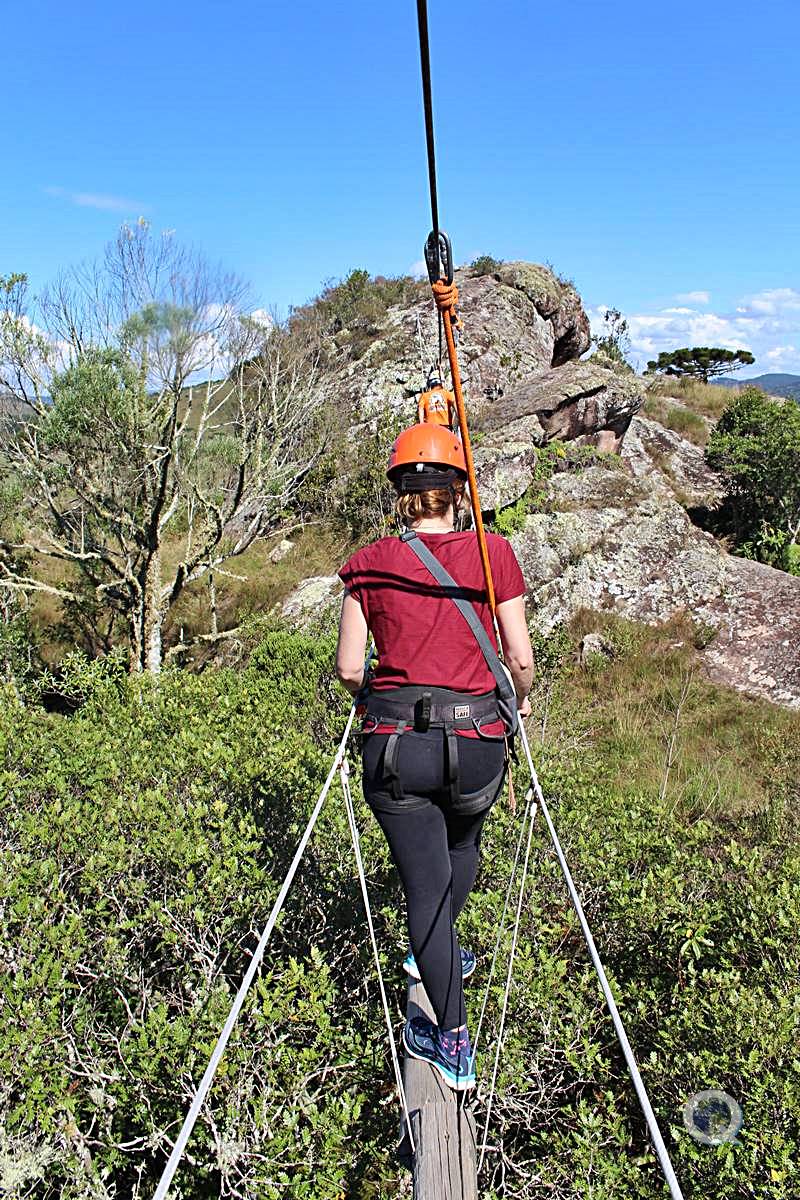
(128,457)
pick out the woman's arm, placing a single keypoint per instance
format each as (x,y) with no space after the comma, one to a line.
(352,646)
(517,648)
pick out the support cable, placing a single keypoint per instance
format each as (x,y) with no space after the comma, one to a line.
(222,1041)
(652,1123)
(509,973)
(344,774)
(502,922)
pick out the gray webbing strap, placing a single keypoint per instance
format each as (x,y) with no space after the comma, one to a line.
(429,560)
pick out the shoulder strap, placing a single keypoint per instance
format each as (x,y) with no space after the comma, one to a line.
(452,590)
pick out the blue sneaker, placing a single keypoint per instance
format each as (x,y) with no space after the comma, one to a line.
(449,1053)
(468,961)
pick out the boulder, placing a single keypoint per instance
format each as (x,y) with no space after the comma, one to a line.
(580,402)
(577,401)
(279,552)
(312,601)
(674,465)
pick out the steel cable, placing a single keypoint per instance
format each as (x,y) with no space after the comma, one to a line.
(425,65)
(219,1049)
(344,773)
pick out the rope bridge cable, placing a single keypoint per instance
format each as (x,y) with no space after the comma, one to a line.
(344,773)
(219,1049)
(652,1123)
(529,808)
(502,921)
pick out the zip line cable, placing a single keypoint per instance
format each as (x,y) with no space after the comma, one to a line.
(425,65)
(344,773)
(219,1049)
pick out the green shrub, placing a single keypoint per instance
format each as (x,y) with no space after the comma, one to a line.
(756,449)
(144,840)
(484,264)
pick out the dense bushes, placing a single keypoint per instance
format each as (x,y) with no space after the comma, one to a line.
(756,448)
(145,837)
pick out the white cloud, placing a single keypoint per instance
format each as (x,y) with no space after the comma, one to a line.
(693,297)
(104,201)
(783,356)
(775,302)
(418,269)
(262,317)
(766,323)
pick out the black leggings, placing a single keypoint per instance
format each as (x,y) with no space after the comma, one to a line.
(435,849)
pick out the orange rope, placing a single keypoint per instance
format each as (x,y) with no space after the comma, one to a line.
(446,297)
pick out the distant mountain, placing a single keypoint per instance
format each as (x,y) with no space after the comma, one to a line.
(776,384)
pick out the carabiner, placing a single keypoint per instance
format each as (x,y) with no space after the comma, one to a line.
(439,257)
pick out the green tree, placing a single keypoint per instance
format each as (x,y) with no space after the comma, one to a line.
(127,457)
(614,343)
(756,448)
(700,362)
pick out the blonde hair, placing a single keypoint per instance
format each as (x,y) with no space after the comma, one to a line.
(418,506)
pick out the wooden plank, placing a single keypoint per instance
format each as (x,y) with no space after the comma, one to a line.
(444,1166)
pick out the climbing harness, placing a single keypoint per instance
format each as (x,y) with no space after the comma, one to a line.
(396,711)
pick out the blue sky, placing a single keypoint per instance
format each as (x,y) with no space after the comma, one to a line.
(648,151)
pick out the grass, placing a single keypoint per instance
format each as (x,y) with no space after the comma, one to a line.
(657,723)
(317,551)
(707,399)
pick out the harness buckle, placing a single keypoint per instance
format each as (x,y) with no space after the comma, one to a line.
(422,713)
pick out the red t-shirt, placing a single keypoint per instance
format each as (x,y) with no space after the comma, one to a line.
(420,635)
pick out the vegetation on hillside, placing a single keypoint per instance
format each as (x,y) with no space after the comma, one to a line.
(144,839)
(756,449)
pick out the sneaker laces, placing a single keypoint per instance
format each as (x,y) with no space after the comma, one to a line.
(453,1041)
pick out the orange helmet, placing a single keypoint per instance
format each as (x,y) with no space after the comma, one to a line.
(426,456)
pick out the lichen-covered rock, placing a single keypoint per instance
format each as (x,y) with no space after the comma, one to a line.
(313,600)
(279,552)
(518,322)
(674,465)
(612,543)
(577,401)
(555,300)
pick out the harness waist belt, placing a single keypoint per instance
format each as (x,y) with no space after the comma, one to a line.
(422,708)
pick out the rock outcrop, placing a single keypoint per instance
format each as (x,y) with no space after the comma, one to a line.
(616,534)
(608,542)
(518,322)
(578,402)
(675,466)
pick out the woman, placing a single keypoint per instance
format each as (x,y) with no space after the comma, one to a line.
(434,754)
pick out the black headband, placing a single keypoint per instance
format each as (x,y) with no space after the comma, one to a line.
(428,480)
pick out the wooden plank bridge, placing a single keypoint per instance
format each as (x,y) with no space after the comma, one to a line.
(445,1163)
